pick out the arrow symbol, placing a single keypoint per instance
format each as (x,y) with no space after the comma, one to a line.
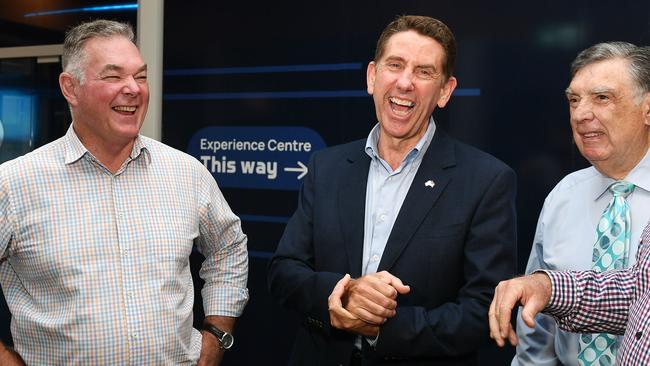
(302,168)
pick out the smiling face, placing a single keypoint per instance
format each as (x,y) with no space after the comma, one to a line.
(110,106)
(608,119)
(407,84)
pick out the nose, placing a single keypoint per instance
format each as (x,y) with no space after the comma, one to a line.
(405,80)
(131,86)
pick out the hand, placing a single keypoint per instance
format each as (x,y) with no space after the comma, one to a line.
(342,319)
(372,298)
(10,357)
(532,291)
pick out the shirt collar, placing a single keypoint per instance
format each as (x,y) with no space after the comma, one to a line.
(75,150)
(639,176)
(373,139)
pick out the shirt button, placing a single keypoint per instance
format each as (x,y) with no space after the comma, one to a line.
(125,252)
(129,294)
(134,336)
(638,335)
(382,217)
(374,258)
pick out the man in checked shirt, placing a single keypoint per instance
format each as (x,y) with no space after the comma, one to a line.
(96,229)
(618,301)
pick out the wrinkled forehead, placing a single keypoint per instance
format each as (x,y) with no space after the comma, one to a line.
(412,43)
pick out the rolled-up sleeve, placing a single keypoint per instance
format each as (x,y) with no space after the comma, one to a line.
(222,242)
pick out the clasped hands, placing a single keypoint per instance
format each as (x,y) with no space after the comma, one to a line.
(361,305)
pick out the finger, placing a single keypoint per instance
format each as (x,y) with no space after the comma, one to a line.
(373,289)
(494,324)
(399,286)
(373,301)
(512,337)
(394,281)
(380,306)
(530,311)
(368,317)
(383,282)
(334,300)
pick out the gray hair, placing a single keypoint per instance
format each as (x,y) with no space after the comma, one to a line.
(73,59)
(638,58)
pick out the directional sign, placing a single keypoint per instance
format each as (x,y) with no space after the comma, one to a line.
(256,157)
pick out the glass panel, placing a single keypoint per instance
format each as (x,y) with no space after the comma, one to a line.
(32,110)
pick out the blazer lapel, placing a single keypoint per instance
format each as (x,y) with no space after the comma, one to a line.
(352,206)
(421,197)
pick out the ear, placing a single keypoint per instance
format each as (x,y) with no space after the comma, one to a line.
(447,90)
(68,85)
(370,76)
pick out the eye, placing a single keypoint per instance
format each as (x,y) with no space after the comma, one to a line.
(425,73)
(111,77)
(141,78)
(573,101)
(602,97)
(393,65)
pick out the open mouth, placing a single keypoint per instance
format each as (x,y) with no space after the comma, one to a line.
(401,107)
(125,109)
(590,135)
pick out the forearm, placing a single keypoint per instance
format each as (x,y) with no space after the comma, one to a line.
(590,302)
(296,286)
(212,351)
(450,330)
(9,357)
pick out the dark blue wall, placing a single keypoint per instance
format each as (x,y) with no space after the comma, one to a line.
(512,67)
(516,54)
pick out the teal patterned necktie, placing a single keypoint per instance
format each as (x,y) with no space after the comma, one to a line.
(610,252)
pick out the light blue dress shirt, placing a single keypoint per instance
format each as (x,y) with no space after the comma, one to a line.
(385,194)
(564,240)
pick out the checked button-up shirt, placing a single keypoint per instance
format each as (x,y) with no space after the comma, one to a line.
(95,266)
(616,302)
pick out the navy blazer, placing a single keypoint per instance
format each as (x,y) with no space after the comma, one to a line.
(451,244)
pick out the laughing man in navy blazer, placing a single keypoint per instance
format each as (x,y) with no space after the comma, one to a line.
(398,241)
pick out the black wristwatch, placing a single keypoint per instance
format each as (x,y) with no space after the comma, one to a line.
(225,339)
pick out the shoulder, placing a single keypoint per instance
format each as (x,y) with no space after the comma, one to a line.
(165,155)
(578,181)
(468,157)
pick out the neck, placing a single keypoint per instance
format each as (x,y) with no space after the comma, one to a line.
(112,154)
(394,151)
(618,170)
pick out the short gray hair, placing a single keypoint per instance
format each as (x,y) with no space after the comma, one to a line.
(74,57)
(638,58)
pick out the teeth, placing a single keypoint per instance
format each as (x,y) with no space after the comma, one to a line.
(592,134)
(402,102)
(124,108)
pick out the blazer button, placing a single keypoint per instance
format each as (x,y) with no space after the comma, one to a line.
(638,335)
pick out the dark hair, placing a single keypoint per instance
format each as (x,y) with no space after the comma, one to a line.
(425,26)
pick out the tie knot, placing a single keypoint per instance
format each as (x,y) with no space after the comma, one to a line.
(621,188)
